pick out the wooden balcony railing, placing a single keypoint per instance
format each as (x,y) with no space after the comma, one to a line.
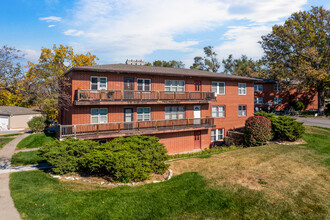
(131,95)
(132,128)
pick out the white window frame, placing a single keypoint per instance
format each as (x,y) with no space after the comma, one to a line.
(145,117)
(98,82)
(259,87)
(99,115)
(217,134)
(216,113)
(218,88)
(143,84)
(175,88)
(257,100)
(242,91)
(277,88)
(174,113)
(278,101)
(240,112)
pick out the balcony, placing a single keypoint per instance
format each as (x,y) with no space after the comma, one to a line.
(111,130)
(124,97)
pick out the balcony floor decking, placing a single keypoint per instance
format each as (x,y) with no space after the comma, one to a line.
(124,97)
(112,130)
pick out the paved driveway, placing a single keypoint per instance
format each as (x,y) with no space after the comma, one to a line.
(322,122)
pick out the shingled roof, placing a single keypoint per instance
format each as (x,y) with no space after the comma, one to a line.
(15,110)
(153,70)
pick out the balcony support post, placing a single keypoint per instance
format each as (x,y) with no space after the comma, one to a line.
(75,130)
(118,128)
(174,95)
(187,123)
(97,127)
(138,123)
(60,132)
(121,95)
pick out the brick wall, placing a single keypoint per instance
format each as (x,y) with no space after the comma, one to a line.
(309,98)
(177,141)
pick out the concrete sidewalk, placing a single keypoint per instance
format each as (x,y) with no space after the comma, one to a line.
(7,208)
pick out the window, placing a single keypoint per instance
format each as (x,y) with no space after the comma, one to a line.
(218,111)
(242,110)
(258,88)
(219,88)
(241,88)
(174,85)
(278,100)
(174,112)
(217,135)
(98,83)
(277,88)
(143,114)
(258,100)
(143,84)
(99,115)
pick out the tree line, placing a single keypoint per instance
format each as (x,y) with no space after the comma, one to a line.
(297,50)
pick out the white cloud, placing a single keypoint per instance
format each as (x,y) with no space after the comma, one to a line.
(31,55)
(51,19)
(73,32)
(239,40)
(129,28)
(50,26)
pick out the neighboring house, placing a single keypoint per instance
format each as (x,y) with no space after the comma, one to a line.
(13,117)
(270,94)
(187,109)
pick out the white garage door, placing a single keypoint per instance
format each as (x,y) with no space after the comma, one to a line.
(4,123)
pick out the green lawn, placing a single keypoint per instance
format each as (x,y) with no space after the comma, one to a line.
(35,140)
(25,158)
(4,141)
(11,135)
(267,182)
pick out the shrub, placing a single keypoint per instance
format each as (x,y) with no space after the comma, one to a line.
(67,155)
(129,159)
(287,128)
(124,159)
(284,127)
(297,105)
(37,124)
(257,130)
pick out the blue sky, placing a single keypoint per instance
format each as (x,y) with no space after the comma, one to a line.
(116,30)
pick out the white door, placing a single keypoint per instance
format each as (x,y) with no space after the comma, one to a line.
(197,114)
(4,123)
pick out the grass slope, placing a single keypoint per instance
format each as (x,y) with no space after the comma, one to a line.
(11,135)
(34,140)
(25,158)
(38,196)
(4,141)
(267,182)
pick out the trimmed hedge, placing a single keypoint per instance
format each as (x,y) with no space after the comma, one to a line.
(257,130)
(124,159)
(285,128)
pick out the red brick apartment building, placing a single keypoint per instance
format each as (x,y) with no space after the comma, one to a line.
(187,109)
(269,93)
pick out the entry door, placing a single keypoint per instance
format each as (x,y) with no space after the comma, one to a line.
(197,140)
(128,88)
(128,118)
(198,86)
(197,114)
